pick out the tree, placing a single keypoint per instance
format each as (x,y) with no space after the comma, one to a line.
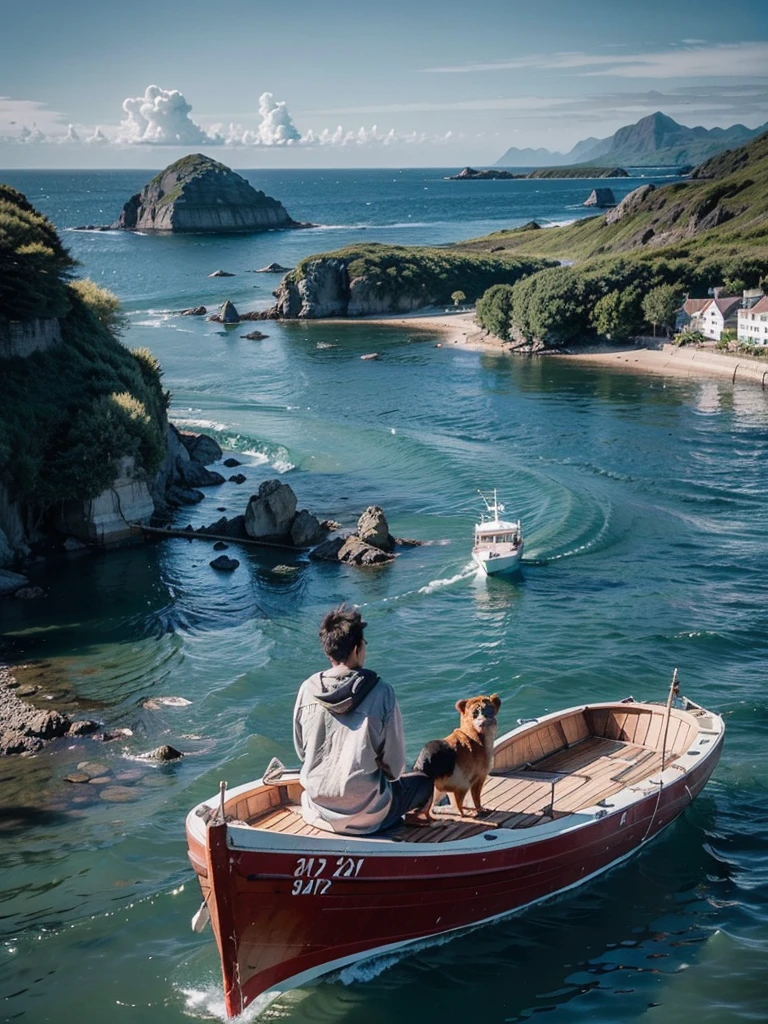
(734,285)
(494,310)
(458,297)
(616,314)
(660,305)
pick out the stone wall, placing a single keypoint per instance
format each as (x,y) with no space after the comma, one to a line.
(22,338)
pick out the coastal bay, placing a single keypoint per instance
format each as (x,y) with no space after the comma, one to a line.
(641,499)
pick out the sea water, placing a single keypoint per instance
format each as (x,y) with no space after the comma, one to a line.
(643,504)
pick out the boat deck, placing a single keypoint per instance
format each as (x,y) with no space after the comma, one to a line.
(561,784)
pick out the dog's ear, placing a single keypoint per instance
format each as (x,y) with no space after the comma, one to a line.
(461,706)
(495,700)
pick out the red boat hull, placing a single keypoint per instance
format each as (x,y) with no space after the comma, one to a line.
(281,918)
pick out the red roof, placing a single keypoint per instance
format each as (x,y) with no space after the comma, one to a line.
(694,306)
(727,304)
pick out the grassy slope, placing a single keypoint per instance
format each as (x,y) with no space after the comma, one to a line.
(436,271)
(735,183)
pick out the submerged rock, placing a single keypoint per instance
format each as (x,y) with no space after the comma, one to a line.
(163,753)
(194,311)
(196,194)
(11,582)
(237,478)
(119,794)
(221,273)
(254,336)
(231,463)
(224,564)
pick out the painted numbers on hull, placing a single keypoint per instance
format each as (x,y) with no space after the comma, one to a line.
(308,880)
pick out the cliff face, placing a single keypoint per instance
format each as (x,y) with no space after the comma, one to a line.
(371,278)
(326,290)
(200,194)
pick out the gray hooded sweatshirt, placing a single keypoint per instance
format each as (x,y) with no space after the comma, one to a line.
(348,732)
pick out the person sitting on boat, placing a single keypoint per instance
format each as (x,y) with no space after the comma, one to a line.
(348,733)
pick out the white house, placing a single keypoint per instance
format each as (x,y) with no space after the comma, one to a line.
(753,324)
(718,315)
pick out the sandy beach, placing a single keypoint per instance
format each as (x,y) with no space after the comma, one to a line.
(669,360)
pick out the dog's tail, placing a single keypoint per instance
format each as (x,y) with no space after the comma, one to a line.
(436,760)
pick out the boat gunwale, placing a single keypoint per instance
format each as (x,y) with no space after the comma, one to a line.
(703,745)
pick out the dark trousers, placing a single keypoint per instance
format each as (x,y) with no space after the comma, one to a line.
(410,792)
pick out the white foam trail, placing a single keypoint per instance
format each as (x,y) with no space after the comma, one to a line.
(205,424)
(434,585)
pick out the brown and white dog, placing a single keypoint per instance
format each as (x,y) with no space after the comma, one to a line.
(461,762)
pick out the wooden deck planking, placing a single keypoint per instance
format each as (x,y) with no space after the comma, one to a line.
(594,769)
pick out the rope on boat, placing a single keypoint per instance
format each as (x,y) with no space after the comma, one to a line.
(674,689)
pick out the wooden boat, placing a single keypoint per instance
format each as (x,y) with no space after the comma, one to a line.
(498,542)
(570,794)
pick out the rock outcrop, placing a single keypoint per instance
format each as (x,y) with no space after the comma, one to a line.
(373,529)
(630,204)
(227,314)
(326,290)
(270,513)
(105,520)
(600,197)
(198,194)
(306,530)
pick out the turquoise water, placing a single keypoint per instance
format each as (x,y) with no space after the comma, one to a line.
(643,503)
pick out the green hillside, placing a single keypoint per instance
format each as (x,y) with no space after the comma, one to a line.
(723,207)
(679,239)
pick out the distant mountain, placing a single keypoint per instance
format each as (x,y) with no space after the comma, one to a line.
(656,140)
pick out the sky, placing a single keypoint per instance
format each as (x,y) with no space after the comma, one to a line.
(363,83)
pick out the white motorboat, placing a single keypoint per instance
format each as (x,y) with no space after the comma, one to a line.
(498,542)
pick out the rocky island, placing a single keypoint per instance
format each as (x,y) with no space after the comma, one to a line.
(197,194)
(494,174)
(491,174)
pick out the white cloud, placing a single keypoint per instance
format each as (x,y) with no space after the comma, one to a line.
(31,135)
(688,60)
(70,137)
(97,139)
(161,118)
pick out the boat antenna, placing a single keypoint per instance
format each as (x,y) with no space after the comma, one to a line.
(494,508)
(674,690)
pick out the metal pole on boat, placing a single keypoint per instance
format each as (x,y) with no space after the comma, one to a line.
(222,798)
(674,689)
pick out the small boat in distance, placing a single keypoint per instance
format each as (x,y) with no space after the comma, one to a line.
(498,542)
(570,795)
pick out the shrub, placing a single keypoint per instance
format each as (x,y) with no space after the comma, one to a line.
(34,265)
(494,310)
(104,305)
